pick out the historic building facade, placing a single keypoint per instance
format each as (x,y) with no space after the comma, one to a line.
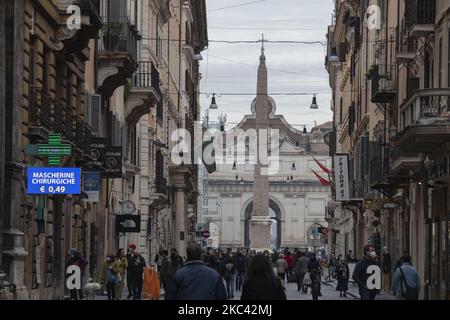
(389,78)
(116,80)
(297,200)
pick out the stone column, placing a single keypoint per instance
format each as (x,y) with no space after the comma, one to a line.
(13,249)
(178,182)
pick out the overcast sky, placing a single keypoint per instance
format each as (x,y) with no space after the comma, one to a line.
(232,68)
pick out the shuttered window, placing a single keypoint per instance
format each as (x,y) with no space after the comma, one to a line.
(92,113)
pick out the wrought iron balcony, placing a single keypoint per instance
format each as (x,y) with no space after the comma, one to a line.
(82,137)
(379,175)
(118,35)
(144,93)
(40,111)
(383,89)
(117,46)
(424,120)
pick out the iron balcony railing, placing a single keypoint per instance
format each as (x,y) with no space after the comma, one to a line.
(383,89)
(40,108)
(118,35)
(69,122)
(82,136)
(146,76)
(379,168)
(425,104)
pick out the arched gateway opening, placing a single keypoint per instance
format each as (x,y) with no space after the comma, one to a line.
(275,215)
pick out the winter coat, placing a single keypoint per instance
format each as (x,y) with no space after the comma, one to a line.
(196,281)
(120,265)
(281,265)
(259,289)
(136,265)
(342,274)
(360,274)
(411,276)
(301,264)
(290,261)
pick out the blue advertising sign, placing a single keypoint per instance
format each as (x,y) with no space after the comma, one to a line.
(91,185)
(54,180)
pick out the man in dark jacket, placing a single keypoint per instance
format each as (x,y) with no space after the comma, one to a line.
(136,265)
(360,274)
(196,281)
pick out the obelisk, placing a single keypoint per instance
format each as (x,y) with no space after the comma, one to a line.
(260,223)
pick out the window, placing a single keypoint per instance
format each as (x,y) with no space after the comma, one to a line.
(340,111)
(69,88)
(133,146)
(31,74)
(45,68)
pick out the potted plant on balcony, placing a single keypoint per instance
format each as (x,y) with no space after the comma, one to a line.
(111,33)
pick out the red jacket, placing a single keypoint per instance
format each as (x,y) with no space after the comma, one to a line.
(290,261)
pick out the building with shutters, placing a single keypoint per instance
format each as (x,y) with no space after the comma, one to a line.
(117,81)
(389,78)
(42,92)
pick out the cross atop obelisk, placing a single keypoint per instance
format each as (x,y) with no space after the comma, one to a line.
(262,58)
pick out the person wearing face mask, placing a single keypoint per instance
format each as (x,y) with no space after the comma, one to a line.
(360,274)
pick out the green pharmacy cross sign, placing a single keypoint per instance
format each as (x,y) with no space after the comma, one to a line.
(54,150)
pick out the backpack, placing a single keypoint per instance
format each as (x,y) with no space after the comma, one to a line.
(409,293)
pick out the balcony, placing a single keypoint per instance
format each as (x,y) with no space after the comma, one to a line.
(380,174)
(424,121)
(78,38)
(39,114)
(383,90)
(406,46)
(46,116)
(144,93)
(403,162)
(82,138)
(117,54)
(160,193)
(420,17)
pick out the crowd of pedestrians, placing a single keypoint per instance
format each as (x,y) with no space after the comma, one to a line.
(219,274)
